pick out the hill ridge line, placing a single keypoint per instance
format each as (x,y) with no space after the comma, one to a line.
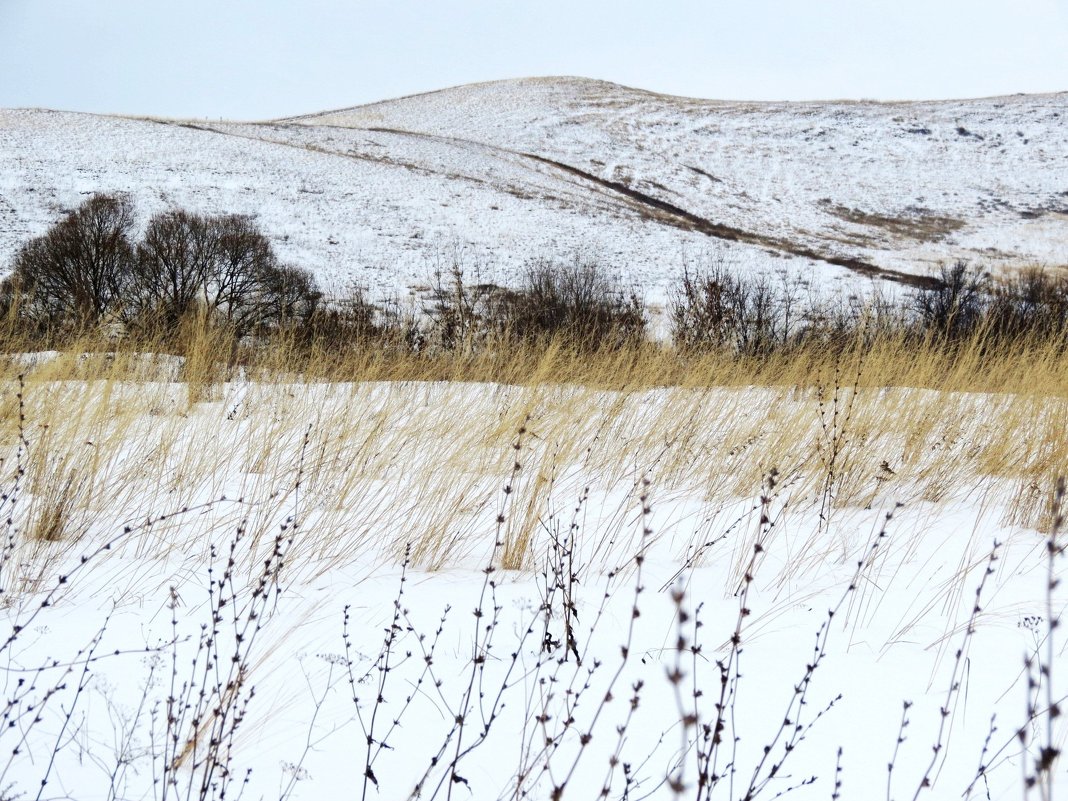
(564,80)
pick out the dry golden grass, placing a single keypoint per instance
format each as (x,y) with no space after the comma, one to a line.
(978,364)
(407,449)
(414,449)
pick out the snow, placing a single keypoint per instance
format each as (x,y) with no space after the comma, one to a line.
(375,475)
(492,175)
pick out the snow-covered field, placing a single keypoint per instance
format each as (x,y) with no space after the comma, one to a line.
(162,557)
(344,479)
(497,174)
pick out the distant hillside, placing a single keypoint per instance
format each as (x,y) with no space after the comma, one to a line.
(499,173)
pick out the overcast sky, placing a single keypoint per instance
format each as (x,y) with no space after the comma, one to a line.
(254,59)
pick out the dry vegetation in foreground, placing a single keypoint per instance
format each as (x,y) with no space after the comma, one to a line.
(382,438)
(425,457)
(134,449)
(411,472)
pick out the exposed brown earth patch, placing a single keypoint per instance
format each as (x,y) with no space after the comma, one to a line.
(917,224)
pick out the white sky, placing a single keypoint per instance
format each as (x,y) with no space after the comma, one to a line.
(251,59)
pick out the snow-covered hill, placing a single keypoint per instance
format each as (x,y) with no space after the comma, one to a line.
(497,174)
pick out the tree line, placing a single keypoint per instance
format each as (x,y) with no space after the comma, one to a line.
(89,271)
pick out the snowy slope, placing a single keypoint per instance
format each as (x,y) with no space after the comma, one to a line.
(987,176)
(496,174)
(370,213)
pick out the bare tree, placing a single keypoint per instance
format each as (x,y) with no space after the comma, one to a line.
(174,260)
(245,259)
(222,266)
(288,297)
(78,273)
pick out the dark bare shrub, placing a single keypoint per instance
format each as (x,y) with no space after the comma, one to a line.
(340,324)
(702,316)
(1032,303)
(78,273)
(289,297)
(953,310)
(578,302)
(347,322)
(716,309)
